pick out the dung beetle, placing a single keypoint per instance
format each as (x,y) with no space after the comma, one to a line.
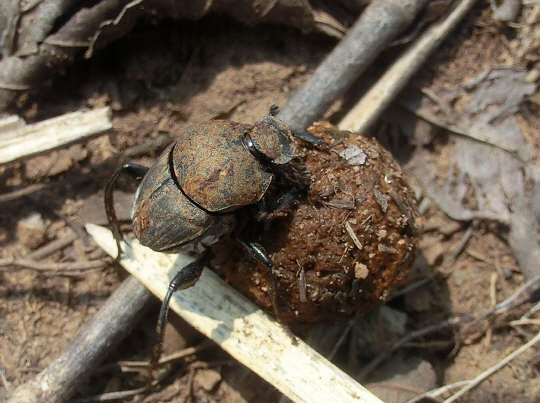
(202,188)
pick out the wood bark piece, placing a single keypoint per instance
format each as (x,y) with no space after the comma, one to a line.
(377,26)
(379,96)
(58,381)
(239,327)
(22,141)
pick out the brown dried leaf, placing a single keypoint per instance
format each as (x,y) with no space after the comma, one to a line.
(90,28)
(497,176)
(9,15)
(502,87)
(36,22)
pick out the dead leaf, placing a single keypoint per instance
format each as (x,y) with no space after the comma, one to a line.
(504,87)
(9,15)
(496,176)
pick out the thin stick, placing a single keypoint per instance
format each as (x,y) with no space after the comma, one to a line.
(39,137)
(437,392)
(28,190)
(378,25)
(524,322)
(206,343)
(490,371)
(375,101)
(108,396)
(53,246)
(52,267)
(240,328)
(519,297)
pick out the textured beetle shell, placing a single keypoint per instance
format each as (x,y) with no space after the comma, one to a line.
(215,169)
(163,217)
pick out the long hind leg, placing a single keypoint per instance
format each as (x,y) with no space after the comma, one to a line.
(185,278)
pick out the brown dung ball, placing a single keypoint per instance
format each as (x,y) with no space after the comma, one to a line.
(346,246)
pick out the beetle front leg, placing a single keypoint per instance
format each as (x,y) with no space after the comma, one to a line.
(311,139)
(280,207)
(258,253)
(135,171)
(185,278)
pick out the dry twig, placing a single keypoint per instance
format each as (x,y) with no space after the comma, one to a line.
(519,297)
(437,392)
(378,26)
(28,190)
(36,138)
(128,365)
(490,371)
(375,101)
(64,267)
(53,246)
(109,396)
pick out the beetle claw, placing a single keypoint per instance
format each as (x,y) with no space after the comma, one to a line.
(311,139)
(119,251)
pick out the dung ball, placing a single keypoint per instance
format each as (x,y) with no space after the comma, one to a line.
(345,246)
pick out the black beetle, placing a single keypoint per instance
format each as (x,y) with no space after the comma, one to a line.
(194,193)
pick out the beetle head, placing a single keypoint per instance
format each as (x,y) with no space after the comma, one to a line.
(272,138)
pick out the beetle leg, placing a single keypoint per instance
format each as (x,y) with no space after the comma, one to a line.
(259,254)
(281,207)
(133,170)
(185,278)
(310,138)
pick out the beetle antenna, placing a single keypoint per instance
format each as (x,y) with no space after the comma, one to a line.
(311,139)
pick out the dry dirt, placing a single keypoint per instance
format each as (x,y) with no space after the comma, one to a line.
(159,79)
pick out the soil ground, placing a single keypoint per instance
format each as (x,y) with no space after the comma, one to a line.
(161,78)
